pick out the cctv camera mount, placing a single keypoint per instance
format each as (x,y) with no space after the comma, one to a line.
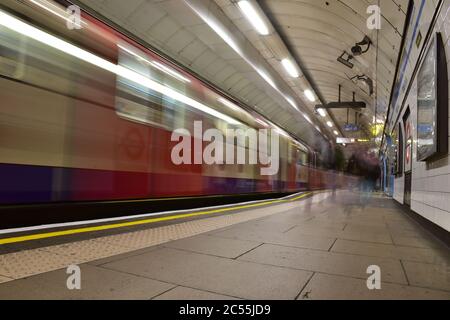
(367,80)
(346,61)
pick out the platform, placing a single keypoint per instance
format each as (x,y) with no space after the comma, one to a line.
(314,248)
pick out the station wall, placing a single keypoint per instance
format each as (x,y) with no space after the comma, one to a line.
(430,196)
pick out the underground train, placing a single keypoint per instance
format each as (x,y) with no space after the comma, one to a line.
(87,115)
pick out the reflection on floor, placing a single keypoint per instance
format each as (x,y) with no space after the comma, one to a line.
(311,249)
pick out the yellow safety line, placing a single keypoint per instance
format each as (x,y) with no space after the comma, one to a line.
(137,223)
(301,197)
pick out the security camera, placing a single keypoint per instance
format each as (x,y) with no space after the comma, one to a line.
(357,50)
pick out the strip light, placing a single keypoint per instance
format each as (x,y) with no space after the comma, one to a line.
(261,122)
(330,124)
(283,133)
(169,71)
(307,118)
(291,102)
(16,25)
(268,79)
(223,34)
(253,17)
(310,95)
(134,54)
(322,112)
(229,104)
(290,68)
(157,65)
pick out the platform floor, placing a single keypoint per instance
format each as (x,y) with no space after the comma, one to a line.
(319,248)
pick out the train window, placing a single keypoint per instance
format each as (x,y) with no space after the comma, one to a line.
(37,62)
(136,102)
(139,103)
(13,48)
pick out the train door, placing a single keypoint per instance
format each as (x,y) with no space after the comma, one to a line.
(408,157)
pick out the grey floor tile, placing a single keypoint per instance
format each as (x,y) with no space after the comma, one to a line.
(377,237)
(416,242)
(329,287)
(324,224)
(220,275)
(132,253)
(358,228)
(325,262)
(405,225)
(343,234)
(269,225)
(183,293)
(96,284)
(221,247)
(435,276)
(294,239)
(391,251)
(407,232)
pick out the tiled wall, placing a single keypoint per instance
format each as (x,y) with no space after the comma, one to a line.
(430,185)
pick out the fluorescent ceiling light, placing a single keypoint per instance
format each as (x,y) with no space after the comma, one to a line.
(292,103)
(253,17)
(229,104)
(310,95)
(261,122)
(17,25)
(267,78)
(290,68)
(330,124)
(157,65)
(322,112)
(223,34)
(133,54)
(283,133)
(307,117)
(336,133)
(169,71)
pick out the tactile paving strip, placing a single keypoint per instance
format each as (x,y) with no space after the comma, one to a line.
(31,262)
(153,237)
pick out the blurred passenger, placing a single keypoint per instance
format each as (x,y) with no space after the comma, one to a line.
(370,170)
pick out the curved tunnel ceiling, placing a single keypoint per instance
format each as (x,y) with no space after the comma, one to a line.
(315,32)
(318,32)
(173,28)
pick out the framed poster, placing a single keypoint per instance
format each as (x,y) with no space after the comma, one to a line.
(432,103)
(399,149)
(408,141)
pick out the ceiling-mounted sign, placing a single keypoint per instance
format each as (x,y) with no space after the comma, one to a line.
(351,127)
(345,141)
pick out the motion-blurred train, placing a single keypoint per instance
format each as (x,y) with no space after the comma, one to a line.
(87,115)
